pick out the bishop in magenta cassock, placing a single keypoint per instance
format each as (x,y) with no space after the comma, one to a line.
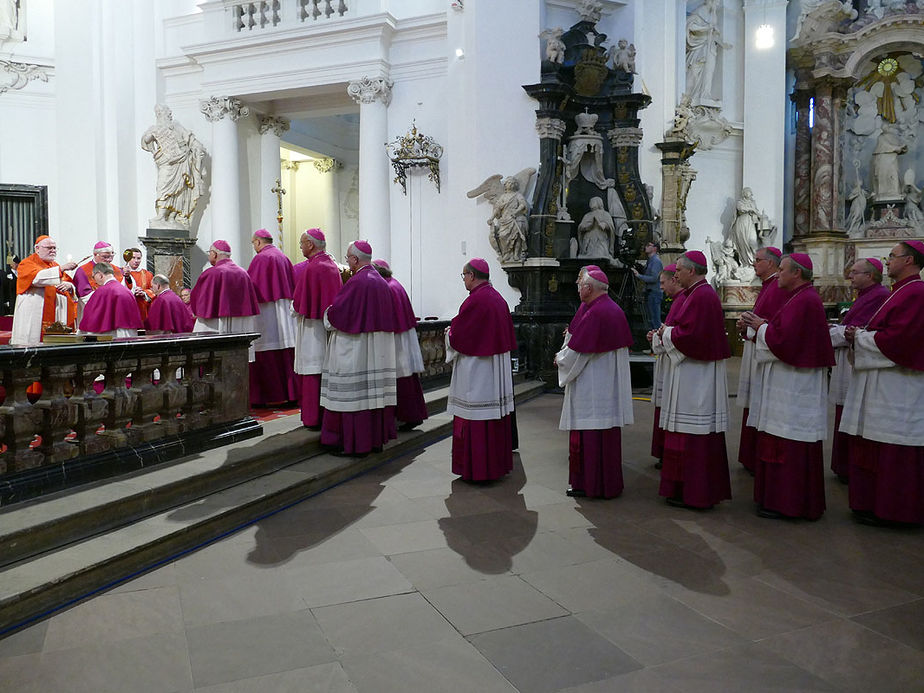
(793,350)
(224,299)
(112,309)
(167,313)
(694,405)
(593,367)
(769,300)
(42,293)
(411,409)
(272,374)
(479,342)
(884,409)
(866,278)
(670,287)
(358,381)
(316,285)
(84,283)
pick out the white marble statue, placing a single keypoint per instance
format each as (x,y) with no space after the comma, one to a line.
(745,234)
(822,16)
(622,56)
(912,195)
(180,160)
(704,39)
(597,232)
(723,260)
(889,145)
(554,46)
(10,20)
(509,219)
(856,217)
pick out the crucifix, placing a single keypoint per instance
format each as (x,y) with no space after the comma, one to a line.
(280,191)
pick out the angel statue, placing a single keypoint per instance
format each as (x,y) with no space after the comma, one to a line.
(510,216)
(554,46)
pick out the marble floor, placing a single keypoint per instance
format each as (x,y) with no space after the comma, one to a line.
(407,579)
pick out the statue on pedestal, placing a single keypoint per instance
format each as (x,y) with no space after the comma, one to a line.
(597,232)
(745,230)
(856,217)
(180,160)
(509,219)
(704,38)
(889,145)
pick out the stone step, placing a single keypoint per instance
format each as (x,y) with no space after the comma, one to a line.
(128,526)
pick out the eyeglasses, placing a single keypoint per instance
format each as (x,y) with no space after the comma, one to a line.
(463,274)
(893,256)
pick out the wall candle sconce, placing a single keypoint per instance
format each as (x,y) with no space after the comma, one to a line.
(415,150)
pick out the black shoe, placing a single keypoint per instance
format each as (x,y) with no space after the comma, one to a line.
(658,464)
(678,503)
(344,453)
(409,426)
(844,479)
(865,517)
(575,493)
(313,428)
(769,514)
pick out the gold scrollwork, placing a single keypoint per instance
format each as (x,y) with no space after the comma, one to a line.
(553,285)
(630,194)
(622,154)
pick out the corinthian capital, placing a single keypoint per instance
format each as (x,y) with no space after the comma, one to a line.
(217,107)
(367,90)
(550,127)
(277,124)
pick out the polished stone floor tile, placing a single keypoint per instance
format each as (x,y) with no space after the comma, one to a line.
(442,667)
(498,602)
(549,655)
(111,618)
(403,538)
(348,581)
(26,641)
(225,652)
(852,657)
(638,681)
(321,678)
(428,570)
(904,623)
(300,550)
(660,629)
(746,668)
(399,622)
(238,597)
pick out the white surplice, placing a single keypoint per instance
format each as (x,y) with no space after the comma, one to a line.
(792,402)
(598,389)
(842,371)
(229,325)
(277,327)
(311,339)
(885,402)
(695,396)
(30,306)
(481,388)
(408,357)
(359,371)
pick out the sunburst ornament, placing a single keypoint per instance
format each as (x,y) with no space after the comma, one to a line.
(887,67)
(886,72)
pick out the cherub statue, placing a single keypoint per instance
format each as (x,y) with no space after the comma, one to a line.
(554,46)
(510,214)
(622,56)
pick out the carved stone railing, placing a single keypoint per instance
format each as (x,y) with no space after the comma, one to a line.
(105,408)
(263,14)
(433,350)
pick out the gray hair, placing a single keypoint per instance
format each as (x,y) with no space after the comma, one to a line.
(684,261)
(103,268)
(770,256)
(320,245)
(873,270)
(160,280)
(806,273)
(595,284)
(358,254)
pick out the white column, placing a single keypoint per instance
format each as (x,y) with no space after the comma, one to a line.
(271,131)
(328,168)
(223,113)
(373,96)
(765,108)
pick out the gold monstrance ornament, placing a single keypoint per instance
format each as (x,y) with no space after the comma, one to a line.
(280,191)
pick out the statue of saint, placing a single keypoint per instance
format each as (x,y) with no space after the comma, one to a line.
(597,232)
(745,231)
(703,42)
(180,160)
(509,223)
(856,217)
(9,20)
(889,145)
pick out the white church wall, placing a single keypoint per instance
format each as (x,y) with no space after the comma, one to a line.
(712,198)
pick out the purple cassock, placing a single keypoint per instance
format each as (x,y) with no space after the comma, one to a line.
(789,473)
(362,307)
(695,466)
(224,291)
(168,313)
(272,376)
(298,269)
(868,301)
(887,479)
(317,281)
(770,299)
(111,307)
(411,409)
(595,455)
(657,433)
(482,450)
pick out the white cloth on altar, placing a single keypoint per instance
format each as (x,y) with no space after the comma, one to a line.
(30,306)
(695,397)
(229,325)
(311,338)
(885,402)
(481,388)
(119,333)
(842,371)
(359,371)
(407,353)
(792,402)
(277,326)
(598,390)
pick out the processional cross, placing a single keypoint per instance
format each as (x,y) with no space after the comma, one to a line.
(280,191)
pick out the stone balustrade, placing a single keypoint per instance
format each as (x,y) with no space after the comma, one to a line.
(433,349)
(263,14)
(72,413)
